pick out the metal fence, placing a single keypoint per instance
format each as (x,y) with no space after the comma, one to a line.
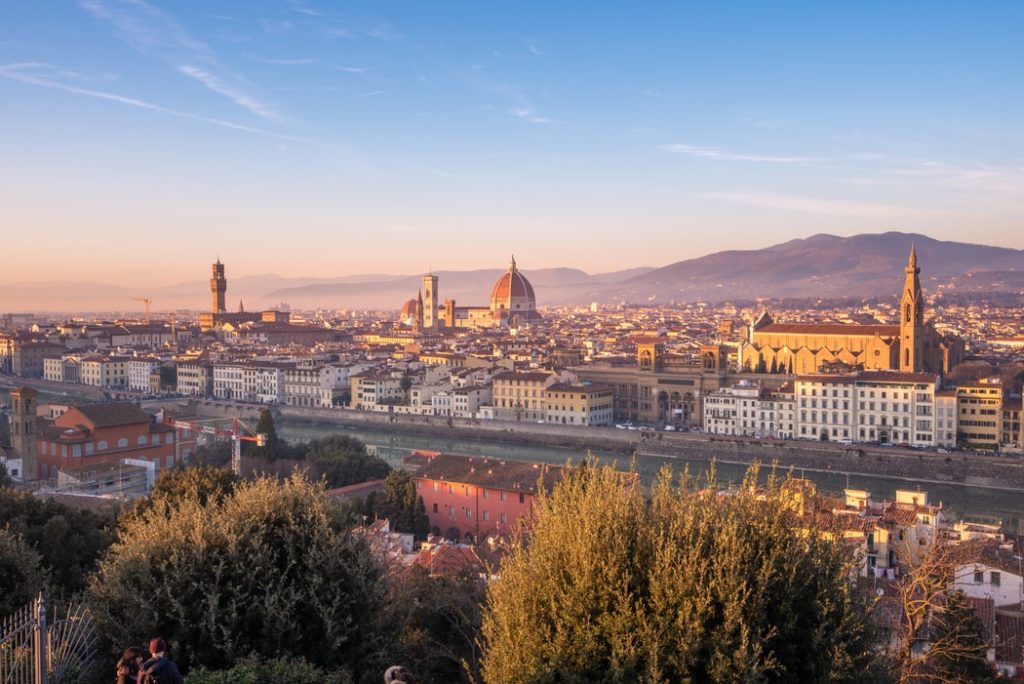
(33,651)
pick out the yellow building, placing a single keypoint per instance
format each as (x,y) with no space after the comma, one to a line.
(911,346)
(980,409)
(579,404)
(520,395)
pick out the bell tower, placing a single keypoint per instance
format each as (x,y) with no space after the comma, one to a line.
(430,302)
(911,317)
(23,430)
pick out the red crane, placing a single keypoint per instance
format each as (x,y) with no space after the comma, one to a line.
(234,432)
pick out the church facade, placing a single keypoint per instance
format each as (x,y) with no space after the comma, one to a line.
(912,345)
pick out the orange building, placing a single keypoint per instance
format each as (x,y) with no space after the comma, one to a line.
(471,497)
(91,434)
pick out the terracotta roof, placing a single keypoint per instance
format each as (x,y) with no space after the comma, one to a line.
(831,329)
(579,389)
(106,415)
(524,376)
(490,473)
(451,560)
(899,515)
(1010,637)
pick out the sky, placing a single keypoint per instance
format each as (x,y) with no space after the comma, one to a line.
(141,139)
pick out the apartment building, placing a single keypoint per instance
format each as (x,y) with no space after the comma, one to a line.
(980,410)
(870,406)
(110,372)
(140,372)
(195,378)
(578,404)
(374,387)
(750,410)
(520,395)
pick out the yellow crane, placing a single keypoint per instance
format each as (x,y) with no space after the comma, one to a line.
(145,301)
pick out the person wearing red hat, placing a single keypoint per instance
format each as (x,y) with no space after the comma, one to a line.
(159,669)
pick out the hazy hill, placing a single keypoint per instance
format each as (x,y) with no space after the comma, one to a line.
(821,265)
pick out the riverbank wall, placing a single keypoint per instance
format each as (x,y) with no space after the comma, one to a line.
(958,467)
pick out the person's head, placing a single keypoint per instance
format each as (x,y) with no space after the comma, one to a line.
(396,674)
(132,656)
(157,646)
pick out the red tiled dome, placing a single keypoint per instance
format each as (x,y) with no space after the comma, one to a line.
(410,309)
(512,284)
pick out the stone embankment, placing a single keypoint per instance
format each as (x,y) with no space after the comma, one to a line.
(957,467)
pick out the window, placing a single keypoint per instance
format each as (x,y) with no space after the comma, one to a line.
(485,493)
(522,498)
(502,496)
(141,440)
(435,508)
(122,443)
(101,445)
(487,516)
(469,514)
(504,518)
(979,577)
(994,578)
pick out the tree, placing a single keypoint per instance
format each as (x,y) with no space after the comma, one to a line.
(261,572)
(21,573)
(5,478)
(957,625)
(343,460)
(69,541)
(939,640)
(775,366)
(201,483)
(691,587)
(438,624)
(265,426)
(400,504)
(405,383)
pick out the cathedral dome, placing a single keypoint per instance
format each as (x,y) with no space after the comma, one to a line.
(512,294)
(410,309)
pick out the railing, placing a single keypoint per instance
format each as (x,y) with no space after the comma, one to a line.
(35,652)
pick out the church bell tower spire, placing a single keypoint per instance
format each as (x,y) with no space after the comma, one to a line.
(911,317)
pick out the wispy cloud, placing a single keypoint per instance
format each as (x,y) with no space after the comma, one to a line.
(302,8)
(298,61)
(153,32)
(372,93)
(352,70)
(527,114)
(18,72)
(816,205)
(532,48)
(983,177)
(241,99)
(721,155)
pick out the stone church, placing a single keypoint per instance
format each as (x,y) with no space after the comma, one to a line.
(912,346)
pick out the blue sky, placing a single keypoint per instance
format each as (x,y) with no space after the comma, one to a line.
(323,138)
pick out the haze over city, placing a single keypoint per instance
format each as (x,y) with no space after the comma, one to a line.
(308,139)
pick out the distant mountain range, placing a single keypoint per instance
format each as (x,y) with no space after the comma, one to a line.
(823,266)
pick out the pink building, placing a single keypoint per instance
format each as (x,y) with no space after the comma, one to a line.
(472,497)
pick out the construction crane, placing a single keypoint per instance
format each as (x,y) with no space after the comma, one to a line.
(145,301)
(235,432)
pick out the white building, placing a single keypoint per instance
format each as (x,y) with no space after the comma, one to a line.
(869,406)
(751,411)
(195,378)
(139,372)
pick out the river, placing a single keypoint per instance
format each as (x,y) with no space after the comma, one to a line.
(975,503)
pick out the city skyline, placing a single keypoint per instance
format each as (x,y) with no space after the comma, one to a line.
(151,136)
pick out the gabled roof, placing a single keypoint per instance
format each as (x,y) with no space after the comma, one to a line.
(104,415)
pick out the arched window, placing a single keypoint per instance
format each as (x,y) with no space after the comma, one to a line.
(122,443)
(142,439)
(906,357)
(907,315)
(101,445)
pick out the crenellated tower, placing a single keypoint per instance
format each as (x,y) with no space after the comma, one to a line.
(218,287)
